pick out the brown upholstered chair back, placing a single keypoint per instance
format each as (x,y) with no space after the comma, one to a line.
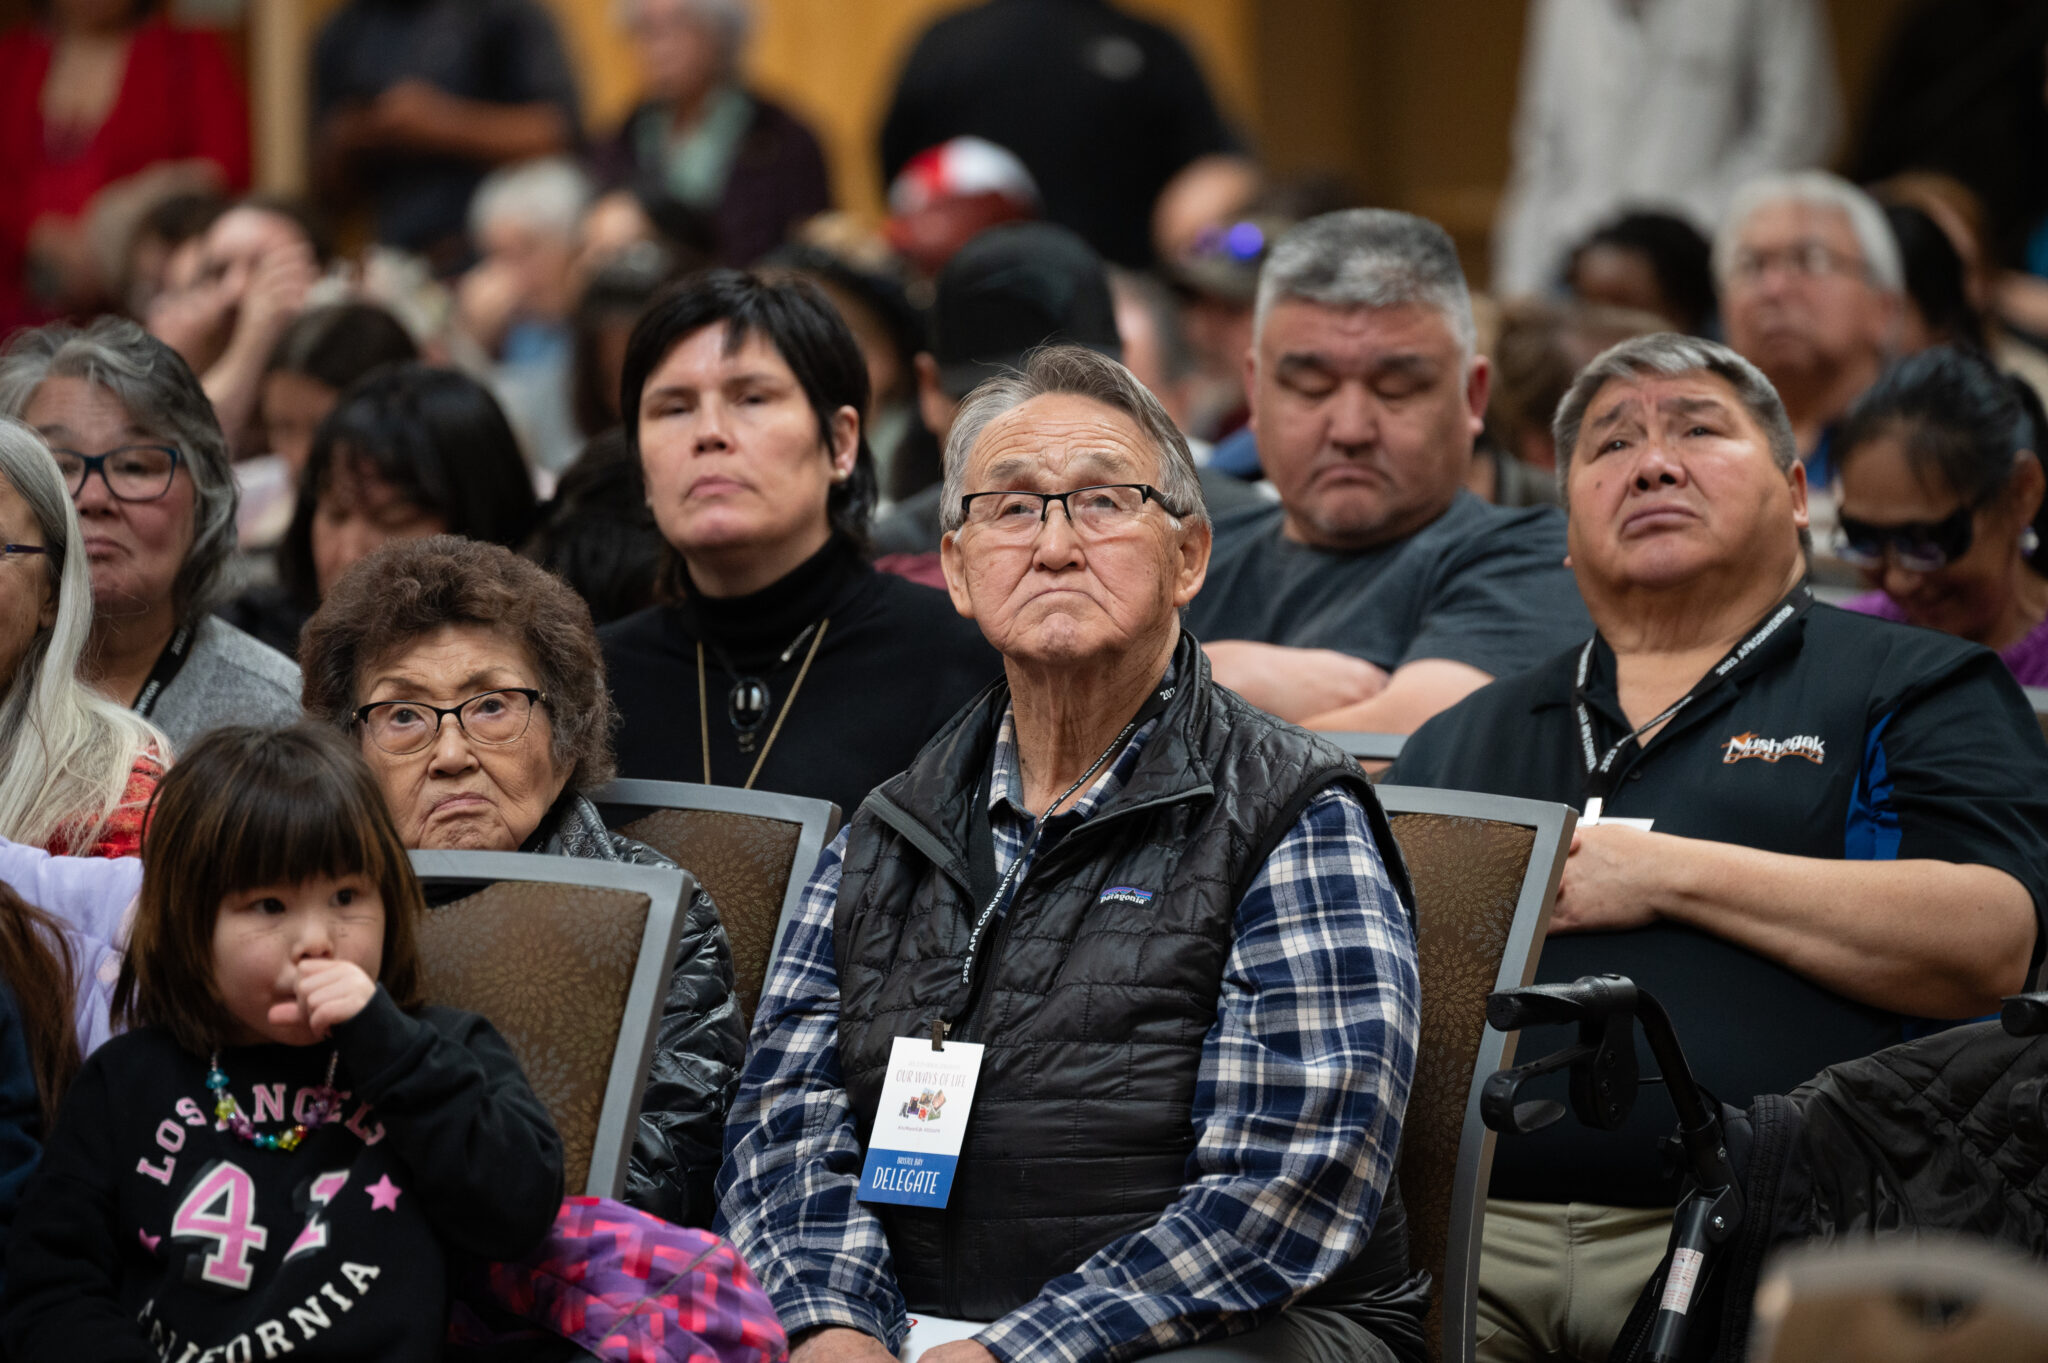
(551,966)
(745,863)
(1483,888)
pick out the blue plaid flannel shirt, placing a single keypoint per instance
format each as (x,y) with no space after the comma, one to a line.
(1297,1111)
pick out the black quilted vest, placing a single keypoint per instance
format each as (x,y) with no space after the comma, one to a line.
(1093,1013)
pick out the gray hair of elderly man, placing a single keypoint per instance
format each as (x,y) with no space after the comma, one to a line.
(1369,258)
(1670,355)
(162,396)
(1078,372)
(1816,189)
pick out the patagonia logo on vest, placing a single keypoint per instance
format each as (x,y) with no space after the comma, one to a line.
(1124,894)
(1741,746)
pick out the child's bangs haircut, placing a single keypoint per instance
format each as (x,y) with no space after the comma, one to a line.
(248,808)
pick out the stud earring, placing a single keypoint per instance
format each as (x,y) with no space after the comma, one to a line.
(2030,540)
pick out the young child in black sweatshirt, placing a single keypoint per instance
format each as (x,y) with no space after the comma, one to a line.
(283,1155)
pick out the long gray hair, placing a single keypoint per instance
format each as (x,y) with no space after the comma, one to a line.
(65,750)
(162,396)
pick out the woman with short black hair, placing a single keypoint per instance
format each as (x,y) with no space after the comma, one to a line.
(409,451)
(779,658)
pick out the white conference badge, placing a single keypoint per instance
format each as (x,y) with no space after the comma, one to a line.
(915,1143)
(1593,816)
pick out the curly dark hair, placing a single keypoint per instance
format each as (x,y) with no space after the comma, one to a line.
(411,588)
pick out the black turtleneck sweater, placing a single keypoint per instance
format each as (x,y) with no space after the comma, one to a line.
(896,662)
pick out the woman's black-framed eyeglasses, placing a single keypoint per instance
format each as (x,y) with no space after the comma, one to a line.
(8,551)
(404,727)
(132,473)
(1101,509)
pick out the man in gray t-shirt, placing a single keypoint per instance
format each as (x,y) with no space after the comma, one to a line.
(1378,592)
(1480,585)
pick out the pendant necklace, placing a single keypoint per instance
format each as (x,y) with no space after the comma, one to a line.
(326,1108)
(747,703)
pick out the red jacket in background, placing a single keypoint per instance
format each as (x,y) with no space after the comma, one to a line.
(180,98)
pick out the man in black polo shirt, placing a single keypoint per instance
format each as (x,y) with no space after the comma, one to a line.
(1378,591)
(1844,817)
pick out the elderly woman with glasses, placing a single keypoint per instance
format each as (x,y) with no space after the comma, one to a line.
(147,468)
(472,681)
(1942,506)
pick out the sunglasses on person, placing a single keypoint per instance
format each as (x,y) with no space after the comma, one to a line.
(1916,546)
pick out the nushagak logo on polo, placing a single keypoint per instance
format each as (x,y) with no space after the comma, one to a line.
(1740,746)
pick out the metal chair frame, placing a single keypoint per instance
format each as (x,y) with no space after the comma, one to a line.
(1458,1283)
(1369,747)
(668,896)
(621,802)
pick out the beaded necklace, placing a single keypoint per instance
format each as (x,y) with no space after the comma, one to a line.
(326,1108)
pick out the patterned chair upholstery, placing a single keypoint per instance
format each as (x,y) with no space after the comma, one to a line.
(1484,883)
(562,1022)
(751,850)
(744,863)
(561,970)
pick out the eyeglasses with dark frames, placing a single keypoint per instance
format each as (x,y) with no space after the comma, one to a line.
(1916,546)
(8,551)
(494,718)
(1103,509)
(132,473)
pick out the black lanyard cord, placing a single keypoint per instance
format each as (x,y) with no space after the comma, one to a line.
(1009,882)
(981,838)
(1599,768)
(168,664)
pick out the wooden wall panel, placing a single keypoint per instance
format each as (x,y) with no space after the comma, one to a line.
(1412,100)
(835,62)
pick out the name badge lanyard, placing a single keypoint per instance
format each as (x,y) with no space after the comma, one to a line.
(981,855)
(1600,774)
(168,664)
(921,1116)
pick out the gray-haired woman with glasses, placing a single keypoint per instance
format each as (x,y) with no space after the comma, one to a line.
(147,468)
(74,767)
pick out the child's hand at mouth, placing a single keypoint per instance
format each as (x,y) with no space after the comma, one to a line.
(330,992)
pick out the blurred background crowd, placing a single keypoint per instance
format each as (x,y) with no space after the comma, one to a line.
(440,290)
(295,193)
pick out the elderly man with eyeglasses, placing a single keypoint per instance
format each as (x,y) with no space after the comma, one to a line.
(1805,831)
(1811,289)
(1093,1034)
